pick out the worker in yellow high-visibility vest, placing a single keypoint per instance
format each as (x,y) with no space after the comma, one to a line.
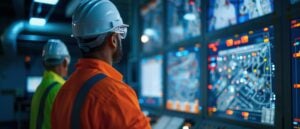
(56,59)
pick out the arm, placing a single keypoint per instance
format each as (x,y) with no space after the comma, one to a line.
(123,112)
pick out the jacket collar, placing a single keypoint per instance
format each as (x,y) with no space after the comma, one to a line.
(53,76)
(100,65)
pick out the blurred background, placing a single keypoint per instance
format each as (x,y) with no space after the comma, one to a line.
(194,64)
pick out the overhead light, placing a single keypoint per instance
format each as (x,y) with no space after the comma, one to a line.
(51,2)
(37,21)
(185,127)
(145,38)
(189,17)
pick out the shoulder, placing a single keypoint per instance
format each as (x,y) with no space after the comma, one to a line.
(56,86)
(110,89)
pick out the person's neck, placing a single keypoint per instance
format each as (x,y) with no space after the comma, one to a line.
(56,71)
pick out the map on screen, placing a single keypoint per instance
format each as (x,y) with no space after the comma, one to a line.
(241,74)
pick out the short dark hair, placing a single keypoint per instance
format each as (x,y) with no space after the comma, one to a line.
(49,66)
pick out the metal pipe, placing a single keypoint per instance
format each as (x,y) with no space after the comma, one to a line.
(9,37)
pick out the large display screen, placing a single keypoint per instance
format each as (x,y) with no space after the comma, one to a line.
(241,77)
(224,13)
(151,80)
(152,25)
(184,19)
(294,1)
(183,85)
(295,37)
(32,83)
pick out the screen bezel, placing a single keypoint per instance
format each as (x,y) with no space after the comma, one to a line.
(288,65)
(291,76)
(292,13)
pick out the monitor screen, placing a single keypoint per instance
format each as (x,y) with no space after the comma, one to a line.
(185,19)
(224,13)
(294,1)
(183,83)
(152,25)
(241,77)
(32,83)
(151,80)
(295,38)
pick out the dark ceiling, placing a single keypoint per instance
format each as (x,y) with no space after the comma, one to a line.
(20,9)
(13,10)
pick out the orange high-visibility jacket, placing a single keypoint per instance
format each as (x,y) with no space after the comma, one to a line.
(110,104)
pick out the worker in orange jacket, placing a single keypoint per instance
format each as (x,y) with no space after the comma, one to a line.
(95,97)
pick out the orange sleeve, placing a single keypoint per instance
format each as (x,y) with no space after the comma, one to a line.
(123,112)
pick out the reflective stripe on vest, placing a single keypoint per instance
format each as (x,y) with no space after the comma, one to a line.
(80,97)
(40,118)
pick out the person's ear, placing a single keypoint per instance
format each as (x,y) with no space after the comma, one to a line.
(65,63)
(113,40)
(64,68)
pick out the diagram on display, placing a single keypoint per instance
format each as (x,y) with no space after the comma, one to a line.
(241,78)
(183,81)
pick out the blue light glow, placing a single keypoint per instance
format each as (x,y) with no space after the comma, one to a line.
(141,101)
(189,17)
(185,53)
(178,54)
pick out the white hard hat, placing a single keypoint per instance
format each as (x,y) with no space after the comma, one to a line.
(54,52)
(95,17)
